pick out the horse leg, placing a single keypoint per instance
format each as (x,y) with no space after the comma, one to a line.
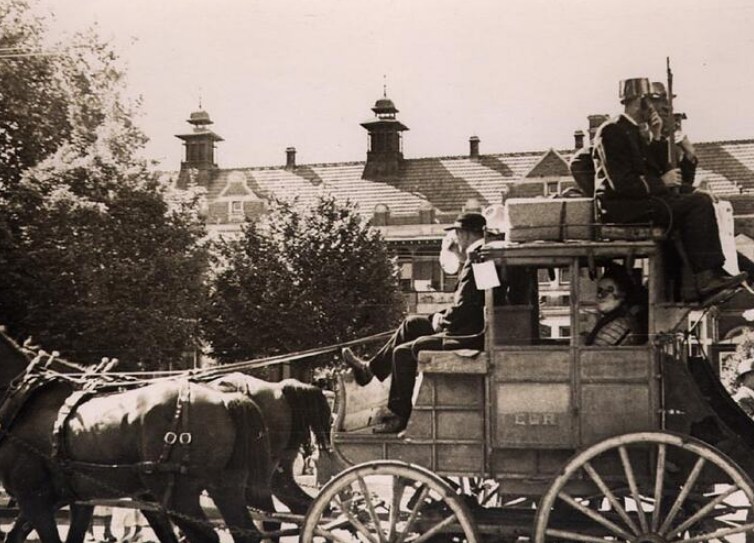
(81,516)
(264,503)
(40,509)
(230,500)
(20,530)
(161,526)
(187,513)
(286,489)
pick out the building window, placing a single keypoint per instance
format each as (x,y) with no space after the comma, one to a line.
(564,331)
(236,210)
(543,275)
(551,187)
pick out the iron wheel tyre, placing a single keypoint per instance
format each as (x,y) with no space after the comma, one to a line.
(674,502)
(388,502)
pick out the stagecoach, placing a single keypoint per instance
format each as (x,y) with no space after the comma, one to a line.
(548,439)
(534,438)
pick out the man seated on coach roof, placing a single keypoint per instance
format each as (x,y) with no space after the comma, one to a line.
(633,185)
(399,356)
(688,159)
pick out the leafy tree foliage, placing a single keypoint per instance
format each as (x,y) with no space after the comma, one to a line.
(298,279)
(94,260)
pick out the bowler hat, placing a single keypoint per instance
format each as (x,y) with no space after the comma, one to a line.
(474,222)
(633,88)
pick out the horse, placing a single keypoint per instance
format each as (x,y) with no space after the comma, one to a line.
(163,444)
(292,411)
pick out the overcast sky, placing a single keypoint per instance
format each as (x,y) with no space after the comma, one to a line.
(519,74)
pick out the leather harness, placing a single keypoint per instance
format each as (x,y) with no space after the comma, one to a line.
(179,434)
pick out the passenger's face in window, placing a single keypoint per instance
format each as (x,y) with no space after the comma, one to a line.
(609,295)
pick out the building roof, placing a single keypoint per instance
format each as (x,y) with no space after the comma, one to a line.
(446,184)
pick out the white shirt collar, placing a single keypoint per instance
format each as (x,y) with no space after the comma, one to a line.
(630,119)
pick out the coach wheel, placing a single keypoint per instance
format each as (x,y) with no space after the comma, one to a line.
(388,502)
(649,487)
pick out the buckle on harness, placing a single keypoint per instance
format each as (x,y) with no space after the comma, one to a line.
(170,438)
(184,438)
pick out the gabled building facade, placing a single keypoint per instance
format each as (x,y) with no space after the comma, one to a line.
(411,200)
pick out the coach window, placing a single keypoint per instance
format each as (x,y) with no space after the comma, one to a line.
(599,301)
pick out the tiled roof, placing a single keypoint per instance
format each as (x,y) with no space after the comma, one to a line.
(727,166)
(447,183)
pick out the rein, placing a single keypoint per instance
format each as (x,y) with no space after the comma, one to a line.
(116,380)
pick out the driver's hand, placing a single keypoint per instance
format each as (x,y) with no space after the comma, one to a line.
(672,178)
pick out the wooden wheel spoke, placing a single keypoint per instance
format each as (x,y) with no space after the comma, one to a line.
(573,536)
(492,494)
(436,529)
(372,512)
(356,523)
(688,485)
(631,477)
(701,513)
(414,513)
(659,483)
(717,534)
(595,516)
(399,486)
(610,497)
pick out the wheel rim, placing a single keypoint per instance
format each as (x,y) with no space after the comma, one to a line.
(388,502)
(649,487)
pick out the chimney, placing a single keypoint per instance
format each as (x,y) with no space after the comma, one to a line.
(578,139)
(473,147)
(290,158)
(595,121)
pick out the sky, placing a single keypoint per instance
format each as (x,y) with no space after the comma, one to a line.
(522,75)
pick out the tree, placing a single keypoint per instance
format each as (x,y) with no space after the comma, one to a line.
(298,279)
(95,261)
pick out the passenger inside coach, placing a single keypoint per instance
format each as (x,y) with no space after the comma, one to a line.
(622,304)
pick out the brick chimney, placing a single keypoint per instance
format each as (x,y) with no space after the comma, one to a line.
(290,158)
(578,139)
(473,147)
(595,121)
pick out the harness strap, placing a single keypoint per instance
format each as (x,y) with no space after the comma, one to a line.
(58,429)
(175,435)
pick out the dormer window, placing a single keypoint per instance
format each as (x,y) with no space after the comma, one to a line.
(236,210)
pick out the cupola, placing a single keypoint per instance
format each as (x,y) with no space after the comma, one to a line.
(199,143)
(385,151)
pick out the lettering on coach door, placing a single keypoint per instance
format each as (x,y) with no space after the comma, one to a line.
(533,414)
(535,419)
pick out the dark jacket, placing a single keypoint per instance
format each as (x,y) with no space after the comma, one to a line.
(627,168)
(466,315)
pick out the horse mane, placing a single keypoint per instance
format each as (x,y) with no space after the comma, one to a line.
(310,414)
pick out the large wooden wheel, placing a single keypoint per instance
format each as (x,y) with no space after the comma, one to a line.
(388,502)
(649,487)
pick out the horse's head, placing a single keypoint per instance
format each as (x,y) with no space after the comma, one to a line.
(13,359)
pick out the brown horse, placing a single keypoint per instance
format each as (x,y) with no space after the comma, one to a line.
(162,443)
(292,411)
